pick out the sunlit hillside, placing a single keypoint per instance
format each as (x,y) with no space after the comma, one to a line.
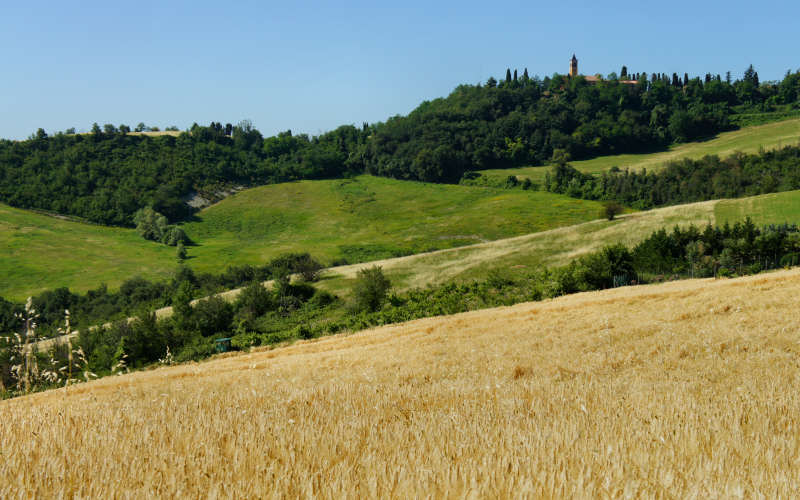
(686,389)
(361,219)
(746,140)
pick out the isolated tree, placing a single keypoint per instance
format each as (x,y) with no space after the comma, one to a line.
(70,131)
(508,75)
(150,224)
(611,209)
(525,76)
(370,289)
(124,129)
(685,79)
(141,127)
(515,75)
(623,73)
(181,252)
(109,129)
(491,82)
(96,130)
(728,77)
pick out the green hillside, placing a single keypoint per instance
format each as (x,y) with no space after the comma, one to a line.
(559,246)
(368,218)
(42,252)
(359,219)
(774,208)
(745,140)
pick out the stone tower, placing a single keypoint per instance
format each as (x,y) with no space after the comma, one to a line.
(573,66)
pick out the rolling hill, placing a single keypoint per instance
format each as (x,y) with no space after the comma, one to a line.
(672,390)
(357,220)
(360,219)
(369,218)
(745,140)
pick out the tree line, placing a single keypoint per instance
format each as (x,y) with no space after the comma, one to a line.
(684,181)
(107,175)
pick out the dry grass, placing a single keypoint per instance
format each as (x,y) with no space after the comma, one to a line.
(555,247)
(688,389)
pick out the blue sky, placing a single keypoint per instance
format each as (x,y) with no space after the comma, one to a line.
(311,66)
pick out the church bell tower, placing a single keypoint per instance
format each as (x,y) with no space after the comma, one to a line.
(573,66)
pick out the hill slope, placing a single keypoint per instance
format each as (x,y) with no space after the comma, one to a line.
(43,252)
(368,218)
(360,219)
(745,140)
(672,390)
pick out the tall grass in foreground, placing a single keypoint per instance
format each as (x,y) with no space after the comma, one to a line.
(686,389)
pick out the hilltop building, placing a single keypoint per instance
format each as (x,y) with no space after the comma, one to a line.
(573,71)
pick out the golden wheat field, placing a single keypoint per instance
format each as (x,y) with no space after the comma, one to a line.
(687,389)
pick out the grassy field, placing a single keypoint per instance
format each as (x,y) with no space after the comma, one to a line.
(774,208)
(369,218)
(42,252)
(670,391)
(531,251)
(366,218)
(746,140)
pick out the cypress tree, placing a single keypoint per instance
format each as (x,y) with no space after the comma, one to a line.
(508,75)
(515,75)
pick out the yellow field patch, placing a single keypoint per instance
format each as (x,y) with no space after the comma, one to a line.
(686,389)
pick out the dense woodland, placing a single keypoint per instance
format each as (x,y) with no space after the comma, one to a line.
(684,181)
(107,175)
(290,310)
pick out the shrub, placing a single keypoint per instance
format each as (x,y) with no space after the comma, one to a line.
(150,224)
(370,289)
(611,209)
(304,332)
(173,236)
(212,315)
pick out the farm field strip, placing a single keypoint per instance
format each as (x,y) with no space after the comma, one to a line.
(672,390)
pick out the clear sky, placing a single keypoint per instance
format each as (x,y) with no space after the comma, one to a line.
(311,66)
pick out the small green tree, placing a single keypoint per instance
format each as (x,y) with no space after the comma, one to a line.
(370,289)
(254,300)
(611,209)
(150,224)
(181,252)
